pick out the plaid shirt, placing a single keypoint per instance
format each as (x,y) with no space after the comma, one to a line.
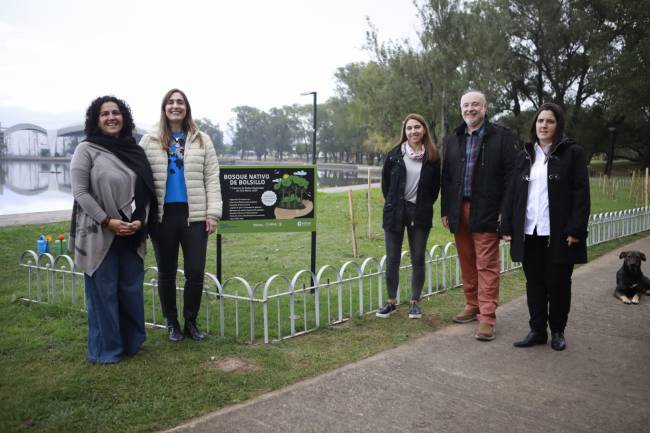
(472,142)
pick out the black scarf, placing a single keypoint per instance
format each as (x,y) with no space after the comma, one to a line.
(133,156)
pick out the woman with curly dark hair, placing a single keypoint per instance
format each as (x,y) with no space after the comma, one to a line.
(112,185)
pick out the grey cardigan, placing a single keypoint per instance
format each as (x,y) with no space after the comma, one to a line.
(103,186)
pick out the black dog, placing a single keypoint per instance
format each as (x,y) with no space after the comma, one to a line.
(630,281)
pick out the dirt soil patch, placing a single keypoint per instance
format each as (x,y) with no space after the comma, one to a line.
(233,364)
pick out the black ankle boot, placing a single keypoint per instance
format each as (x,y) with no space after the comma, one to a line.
(174,331)
(192,331)
(557,341)
(532,339)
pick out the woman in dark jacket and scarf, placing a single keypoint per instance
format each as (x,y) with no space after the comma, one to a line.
(410,182)
(547,226)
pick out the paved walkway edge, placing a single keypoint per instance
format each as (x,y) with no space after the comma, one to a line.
(447,381)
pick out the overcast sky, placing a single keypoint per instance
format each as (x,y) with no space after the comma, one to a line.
(56,56)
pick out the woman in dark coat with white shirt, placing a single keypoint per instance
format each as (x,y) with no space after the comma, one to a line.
(410,182)
(547,226)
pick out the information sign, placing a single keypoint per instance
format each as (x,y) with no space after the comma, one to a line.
(265,198)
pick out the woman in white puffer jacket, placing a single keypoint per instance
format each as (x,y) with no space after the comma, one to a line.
(186,178)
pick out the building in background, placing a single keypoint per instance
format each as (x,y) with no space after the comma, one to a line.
(25,140)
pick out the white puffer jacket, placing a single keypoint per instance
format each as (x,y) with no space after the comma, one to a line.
(201,174)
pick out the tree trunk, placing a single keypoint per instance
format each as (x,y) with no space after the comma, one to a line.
(610,153)
(646,157)
(516,110)
(443,120)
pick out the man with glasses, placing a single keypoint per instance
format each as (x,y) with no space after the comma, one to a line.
(477,164)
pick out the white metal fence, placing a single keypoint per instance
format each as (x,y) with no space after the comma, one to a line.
(283,307)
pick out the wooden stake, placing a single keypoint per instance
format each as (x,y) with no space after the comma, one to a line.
(369,207)
(354,231)
(632,185)
(638,191)
(646,187)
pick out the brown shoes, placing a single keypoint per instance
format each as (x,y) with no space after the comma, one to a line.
(464,317)
(485,332)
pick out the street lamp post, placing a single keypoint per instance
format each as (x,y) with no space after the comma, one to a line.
(313,140)
(313,161)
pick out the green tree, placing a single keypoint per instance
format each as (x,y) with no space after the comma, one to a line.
(521,53)
(426,78)
(214,132)
(280,133)
(341,132)
(444,73)
(299,118)
(374,100)
(251,131)
(626,93)
(560,46)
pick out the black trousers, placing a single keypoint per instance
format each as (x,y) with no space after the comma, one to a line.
(173,232)
(548,286)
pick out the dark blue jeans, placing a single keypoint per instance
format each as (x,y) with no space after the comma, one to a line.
(417,238)
(115,304)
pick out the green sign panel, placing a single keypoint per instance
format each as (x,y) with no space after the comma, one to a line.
(268,198)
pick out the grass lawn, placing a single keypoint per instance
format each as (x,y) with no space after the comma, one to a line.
(620,167)
(46,385)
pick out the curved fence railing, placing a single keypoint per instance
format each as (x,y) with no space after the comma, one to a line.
(283,307)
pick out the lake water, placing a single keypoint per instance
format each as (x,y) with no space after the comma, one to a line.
(344,177)
(39,186)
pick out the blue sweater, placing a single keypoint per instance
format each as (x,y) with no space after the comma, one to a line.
(175,190)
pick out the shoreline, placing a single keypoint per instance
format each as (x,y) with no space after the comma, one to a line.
(19,219)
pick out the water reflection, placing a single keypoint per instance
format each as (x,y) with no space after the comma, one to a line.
(34,186)
(38,186)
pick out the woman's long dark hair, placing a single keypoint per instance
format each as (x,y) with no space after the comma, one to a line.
(189,127)
(91,128)
(559,119)
(427,140)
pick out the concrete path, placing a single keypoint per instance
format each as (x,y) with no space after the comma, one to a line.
(35,218)
(449,382)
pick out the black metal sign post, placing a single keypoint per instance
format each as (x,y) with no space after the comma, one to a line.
(313,256)
(313,161)
(312,265)
(219,257)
